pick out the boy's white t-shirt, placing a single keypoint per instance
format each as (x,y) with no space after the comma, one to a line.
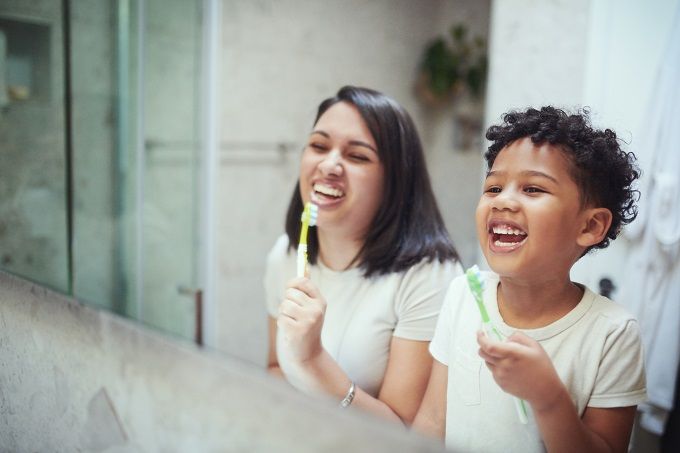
(363,314)
(595,349)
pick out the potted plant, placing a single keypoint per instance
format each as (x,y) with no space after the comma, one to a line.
(451,68)
(453,72)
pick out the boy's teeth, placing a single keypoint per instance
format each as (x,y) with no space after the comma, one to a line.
(508,230)
(326,190)
(507,244)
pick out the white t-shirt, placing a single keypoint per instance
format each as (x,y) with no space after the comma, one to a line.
(595,349)
(363,314)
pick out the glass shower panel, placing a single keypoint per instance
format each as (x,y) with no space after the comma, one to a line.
(100,158)
(136,73)
(171,93)
(33,203)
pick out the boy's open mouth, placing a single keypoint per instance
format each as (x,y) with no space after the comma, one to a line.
(506,236)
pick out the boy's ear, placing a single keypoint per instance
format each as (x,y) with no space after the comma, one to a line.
(596,224)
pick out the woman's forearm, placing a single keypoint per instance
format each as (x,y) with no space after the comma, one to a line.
(325,375)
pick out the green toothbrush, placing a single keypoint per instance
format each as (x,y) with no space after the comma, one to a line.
(476,284)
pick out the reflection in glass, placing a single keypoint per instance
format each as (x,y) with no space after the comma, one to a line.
(33,219)
(135,146)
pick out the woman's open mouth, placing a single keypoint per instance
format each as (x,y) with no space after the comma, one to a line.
(326,195)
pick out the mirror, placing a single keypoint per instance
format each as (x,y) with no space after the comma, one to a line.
(162,229)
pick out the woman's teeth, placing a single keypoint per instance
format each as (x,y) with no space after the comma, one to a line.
(327,190)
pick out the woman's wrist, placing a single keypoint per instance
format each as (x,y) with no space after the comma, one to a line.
(322,369)
(349,397)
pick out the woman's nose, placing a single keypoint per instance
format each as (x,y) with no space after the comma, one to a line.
(331,163)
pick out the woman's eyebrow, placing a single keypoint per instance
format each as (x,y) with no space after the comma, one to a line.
(364,144)
(325,134)
(351,142)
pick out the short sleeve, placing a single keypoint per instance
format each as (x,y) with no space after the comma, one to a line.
(620,378)
(439,347)
(274,276)
(420,298)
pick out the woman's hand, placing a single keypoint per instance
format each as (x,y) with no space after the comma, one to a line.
(301,317)
(521,367)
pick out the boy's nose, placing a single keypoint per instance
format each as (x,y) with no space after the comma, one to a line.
(506,200)
(331,164)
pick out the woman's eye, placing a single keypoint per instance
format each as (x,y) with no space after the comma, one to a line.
(317,146)
(533,190)
(493,189)
(359,157)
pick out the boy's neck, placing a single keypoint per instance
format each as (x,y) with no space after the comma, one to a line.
(532,305)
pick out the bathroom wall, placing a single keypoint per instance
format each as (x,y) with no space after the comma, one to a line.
(77,379)
(279,60)
(609,63)
(626,43)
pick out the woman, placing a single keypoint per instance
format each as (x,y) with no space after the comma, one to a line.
(358,327)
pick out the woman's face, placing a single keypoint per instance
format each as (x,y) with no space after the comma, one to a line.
(341,173)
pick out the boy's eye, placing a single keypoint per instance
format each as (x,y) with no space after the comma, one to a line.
(493,189)
(533,190)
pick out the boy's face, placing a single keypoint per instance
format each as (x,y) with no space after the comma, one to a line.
(529,216)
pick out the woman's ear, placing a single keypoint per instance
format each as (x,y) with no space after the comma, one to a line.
(597,223)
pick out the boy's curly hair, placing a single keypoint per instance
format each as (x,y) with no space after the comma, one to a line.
(603,172)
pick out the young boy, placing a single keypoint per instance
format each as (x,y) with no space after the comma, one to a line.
(556,188)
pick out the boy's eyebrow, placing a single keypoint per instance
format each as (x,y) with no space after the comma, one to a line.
(540,174)
(352,142)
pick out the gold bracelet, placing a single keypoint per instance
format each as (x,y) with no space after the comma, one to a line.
(347,400)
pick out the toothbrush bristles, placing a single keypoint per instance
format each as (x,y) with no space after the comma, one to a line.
(313,214)
(313,211)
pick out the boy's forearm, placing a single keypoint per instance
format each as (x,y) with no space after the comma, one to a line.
(430,425)
(275,370)
(431,417)
(562,430)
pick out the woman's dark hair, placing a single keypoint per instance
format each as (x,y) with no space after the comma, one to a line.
(603,172)
(407,226)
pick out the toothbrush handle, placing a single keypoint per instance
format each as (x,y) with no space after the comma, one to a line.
(521,408)
(489,329)
(301,260)
(520,404)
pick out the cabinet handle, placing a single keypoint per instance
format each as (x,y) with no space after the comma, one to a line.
(197,295)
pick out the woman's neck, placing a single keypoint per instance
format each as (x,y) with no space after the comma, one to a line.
(533,305)
(337,253)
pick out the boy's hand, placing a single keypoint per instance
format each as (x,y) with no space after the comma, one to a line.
(301,316)
(521,367)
